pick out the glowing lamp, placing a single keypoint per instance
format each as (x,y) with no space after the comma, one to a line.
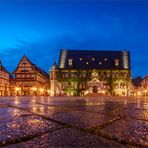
(17,89)
(34,88)
(41,89)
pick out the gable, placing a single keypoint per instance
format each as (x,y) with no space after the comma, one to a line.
(24,66)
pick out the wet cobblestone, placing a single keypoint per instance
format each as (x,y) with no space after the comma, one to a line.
(73,122)
(128,130)
(68,138)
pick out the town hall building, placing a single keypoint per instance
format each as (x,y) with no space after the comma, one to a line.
(91,72)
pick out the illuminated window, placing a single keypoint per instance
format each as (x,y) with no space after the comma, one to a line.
(22,76)
(105,59)
(100,63)
(24,67)
(81,59)
(18,75)
(116,62)
(87,63)
(80,86)
(93,59)
(70,61)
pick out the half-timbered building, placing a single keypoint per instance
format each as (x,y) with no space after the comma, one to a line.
(30,79)
(5,78)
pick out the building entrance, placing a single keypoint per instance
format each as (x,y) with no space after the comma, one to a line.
(95,89)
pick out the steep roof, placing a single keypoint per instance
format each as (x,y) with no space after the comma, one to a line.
(137,81)
(94,59)
(41,71)
(146,77)
(2,68)
(35,67)
(54,65)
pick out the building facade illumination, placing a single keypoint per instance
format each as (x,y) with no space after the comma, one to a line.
(5,80)
(100,72)
(30,79)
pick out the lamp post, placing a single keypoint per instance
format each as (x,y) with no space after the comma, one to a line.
(41,90)
(17,89)
(34,90)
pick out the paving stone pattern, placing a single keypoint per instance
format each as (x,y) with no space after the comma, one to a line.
(33,122)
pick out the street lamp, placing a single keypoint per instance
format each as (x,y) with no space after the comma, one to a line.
(17,89)
(138,93)
(34,88)
(41,90)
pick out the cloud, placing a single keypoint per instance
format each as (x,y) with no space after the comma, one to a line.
(108,32)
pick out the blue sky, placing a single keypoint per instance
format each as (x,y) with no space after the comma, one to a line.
(40,29)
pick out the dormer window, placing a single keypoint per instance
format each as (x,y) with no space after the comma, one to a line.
(24,68)
(116,62)
(105,59)
(93,59)
(70,62)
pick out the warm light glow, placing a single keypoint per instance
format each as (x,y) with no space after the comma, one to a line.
(138,93)
(125,102)
(70,62)
(16,102)
(34,88)
(41,89)
(17,88)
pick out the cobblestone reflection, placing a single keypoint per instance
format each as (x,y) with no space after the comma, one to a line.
(73,122)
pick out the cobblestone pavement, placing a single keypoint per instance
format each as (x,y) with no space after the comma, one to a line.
(73,122)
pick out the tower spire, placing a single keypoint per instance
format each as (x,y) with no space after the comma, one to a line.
(54,65)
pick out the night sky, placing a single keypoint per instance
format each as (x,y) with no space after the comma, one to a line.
(40,29)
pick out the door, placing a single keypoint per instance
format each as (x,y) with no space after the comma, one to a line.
(95,89)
